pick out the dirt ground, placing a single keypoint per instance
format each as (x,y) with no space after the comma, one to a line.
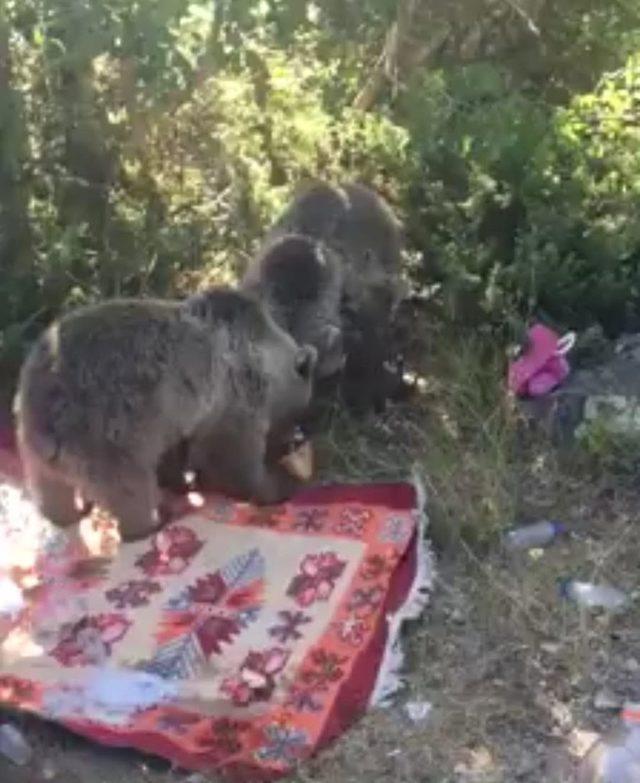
(515,675)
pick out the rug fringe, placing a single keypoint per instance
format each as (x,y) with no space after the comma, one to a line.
(390,678)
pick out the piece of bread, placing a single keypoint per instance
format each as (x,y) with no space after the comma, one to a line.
(299,461)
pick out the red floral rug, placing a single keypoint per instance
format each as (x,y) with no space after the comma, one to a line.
(237,639)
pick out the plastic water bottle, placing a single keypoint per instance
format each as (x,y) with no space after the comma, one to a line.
(14,746)
(615,758)
(532,536)
(593,596)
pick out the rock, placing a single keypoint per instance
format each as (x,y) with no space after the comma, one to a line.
(631,665)
(418,711)
(592,348)
(526,765)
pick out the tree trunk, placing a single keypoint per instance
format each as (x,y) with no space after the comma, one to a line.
(458,31)
(88,164)
(16,253)
(387,66)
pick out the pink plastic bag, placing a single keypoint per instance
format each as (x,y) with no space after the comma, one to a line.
(543,365)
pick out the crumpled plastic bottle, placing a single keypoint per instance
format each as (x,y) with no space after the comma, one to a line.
(593,596)
(14,746)
(533,536)
(615,757)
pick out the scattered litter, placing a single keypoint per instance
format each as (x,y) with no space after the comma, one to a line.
(196,778)
(592,596)
(127,690)
(457,616)
(393,753)
(532,536)
(14,746)
(48,770)
(631,665)
(615,758)
(542,366)
(108,695)
(606,699)
(620,413)
(418,711)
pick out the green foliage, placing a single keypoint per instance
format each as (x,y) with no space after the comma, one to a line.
(152,150)
(606,449)
(530,206)
(582,196)
(145,147)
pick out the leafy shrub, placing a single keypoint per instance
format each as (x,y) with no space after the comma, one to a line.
(154,165)
(530,207)
(147,154)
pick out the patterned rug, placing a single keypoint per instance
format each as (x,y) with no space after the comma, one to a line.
(237,639)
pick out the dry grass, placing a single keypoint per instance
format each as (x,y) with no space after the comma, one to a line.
(510,669)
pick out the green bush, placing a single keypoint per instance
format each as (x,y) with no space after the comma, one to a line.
(582,199)
(528,206)
(141,162)
(147,154)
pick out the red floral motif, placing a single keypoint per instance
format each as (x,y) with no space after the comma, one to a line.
(256,678)
(375,566)
(14,690)
(91,640)
(197,622)
(303,699)
(172,550)
(208,589)
(216,631)
(353,521)
(219,610)
(365,601)
(311,520)
(268,516)
(134,593)
(288,630)
(325,670)
(351,630)
(317,578)
(222,736)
